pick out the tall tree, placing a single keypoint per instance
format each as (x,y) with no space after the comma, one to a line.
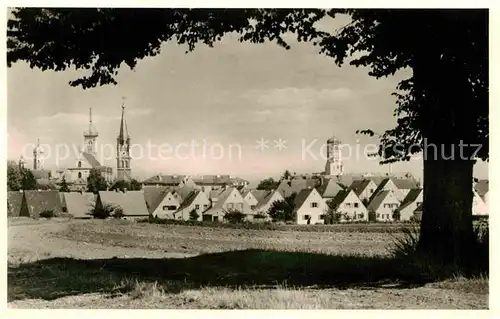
(442,104)
(28,180)
(96,182)
(14,176)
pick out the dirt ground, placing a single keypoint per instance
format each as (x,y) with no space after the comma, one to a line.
(113,264)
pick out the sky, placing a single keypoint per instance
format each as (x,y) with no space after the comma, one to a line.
(229,100)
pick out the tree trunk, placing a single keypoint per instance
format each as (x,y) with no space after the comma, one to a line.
(446,232)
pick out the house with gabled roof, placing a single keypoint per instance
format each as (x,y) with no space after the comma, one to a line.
(36,202)
(310,207)
(196,201)
(227,200)
(294,185)
(329,189)
(265,201)
(410,203)
(14,203)
(167,203)
(349,205)
(364,188)
(388,185)
(405,185)
(153,197)
(383,204)
(249,197)
(79,205)
(132,203)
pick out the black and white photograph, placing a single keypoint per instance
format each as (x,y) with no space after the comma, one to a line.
(243,158)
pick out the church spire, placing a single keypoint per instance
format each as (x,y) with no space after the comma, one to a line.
(123,135)
(92,132)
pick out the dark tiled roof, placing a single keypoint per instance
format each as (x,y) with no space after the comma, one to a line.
(14,202)
(183,192)
(340,197)
(359,186)
(90,158)
(301,198)
(131,202)
(164,180)
(329,189)
(260,194)
(404,183)
(212,179)
(39,201)
(189,198)
(154,195)
(79,205)
(378,199)
(410,198)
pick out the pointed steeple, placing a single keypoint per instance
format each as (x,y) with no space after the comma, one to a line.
(123,135)
(92,132)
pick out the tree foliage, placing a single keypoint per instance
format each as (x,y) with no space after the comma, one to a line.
(193,215)
(132,185)
(234,216)
(14,176)
(64,186)
(96,182)
(280,211)
(268,184)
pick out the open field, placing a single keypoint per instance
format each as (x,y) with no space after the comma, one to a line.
(118,264)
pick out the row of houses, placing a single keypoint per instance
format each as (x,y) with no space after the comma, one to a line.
(312,202)
(387,201)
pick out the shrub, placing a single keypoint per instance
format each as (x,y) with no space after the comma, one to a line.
(193,215)
(47,214)
(118,213)
(234,216)
(103,212)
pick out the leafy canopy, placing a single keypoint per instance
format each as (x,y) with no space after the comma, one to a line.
(445,99)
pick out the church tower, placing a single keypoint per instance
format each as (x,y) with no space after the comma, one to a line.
(38,157)
(123,169)
(334,164)
(90,137)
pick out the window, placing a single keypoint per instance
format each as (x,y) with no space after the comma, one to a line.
(252,207)
(371,190)
(205,206)
(356,205)
(216,218)
(230,206)
(419,203)
(348,205)
(239,206)
(79,164)
(321,217)
(306,217)
(314,204)
(361,216)
(197,206)
(79,174)
(165,207)
(378,215)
